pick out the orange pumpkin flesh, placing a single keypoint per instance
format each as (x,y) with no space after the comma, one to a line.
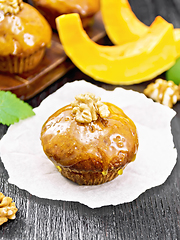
(121,24)
(130,63)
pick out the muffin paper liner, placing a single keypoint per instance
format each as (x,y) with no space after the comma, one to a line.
(18,65)
(29,168)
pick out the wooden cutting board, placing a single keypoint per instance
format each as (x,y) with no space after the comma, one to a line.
(53,66)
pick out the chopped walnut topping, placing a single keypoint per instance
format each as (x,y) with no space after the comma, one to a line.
(11,6)
(164,92)
(87,107)
(7,209)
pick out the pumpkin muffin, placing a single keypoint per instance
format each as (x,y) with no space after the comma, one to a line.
(89,141)
(24,36)
(51,9)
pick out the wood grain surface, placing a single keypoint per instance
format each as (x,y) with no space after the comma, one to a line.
(155,214)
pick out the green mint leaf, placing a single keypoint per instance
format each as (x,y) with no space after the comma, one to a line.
(12,109)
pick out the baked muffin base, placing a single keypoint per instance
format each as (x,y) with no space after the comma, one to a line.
(18,64)
(89,178)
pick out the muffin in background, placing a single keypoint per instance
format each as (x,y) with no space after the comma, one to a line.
(90,142)
(51,9)
(24,36)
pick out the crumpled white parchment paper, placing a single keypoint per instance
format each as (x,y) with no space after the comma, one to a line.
(29,168)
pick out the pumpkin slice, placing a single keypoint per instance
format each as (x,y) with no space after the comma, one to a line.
(123,26)
(130,63)
(120,23)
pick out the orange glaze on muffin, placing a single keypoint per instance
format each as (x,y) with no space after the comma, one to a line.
(90,153)
(24,37)
(23,33)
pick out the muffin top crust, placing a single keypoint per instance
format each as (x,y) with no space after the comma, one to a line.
(100,145)
(24,32)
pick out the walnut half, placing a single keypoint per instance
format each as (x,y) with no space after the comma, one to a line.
(164,92)
(7,209)
(87,106)
(11,6)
